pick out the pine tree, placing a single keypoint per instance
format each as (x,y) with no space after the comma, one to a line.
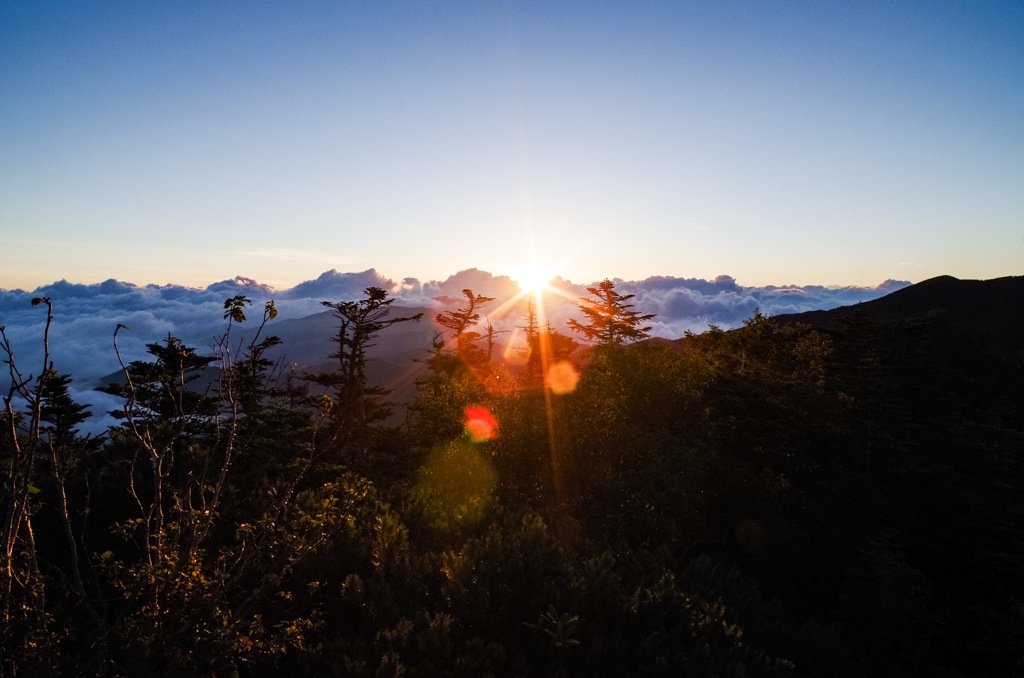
(355,404)
(609,319)
(459,321)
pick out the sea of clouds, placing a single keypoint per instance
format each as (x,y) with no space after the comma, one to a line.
(85,316)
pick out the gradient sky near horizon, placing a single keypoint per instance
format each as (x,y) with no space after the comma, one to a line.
(785,142)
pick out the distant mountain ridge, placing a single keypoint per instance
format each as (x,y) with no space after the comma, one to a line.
(990,312)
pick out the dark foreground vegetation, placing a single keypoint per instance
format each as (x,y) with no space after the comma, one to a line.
(835,499)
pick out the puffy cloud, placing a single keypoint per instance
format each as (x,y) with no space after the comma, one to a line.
(443,293)
(240,285)
(334,286)
(481,282)
(682,304)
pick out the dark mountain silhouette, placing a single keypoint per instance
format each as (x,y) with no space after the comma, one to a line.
(988,312)
(934,378)
(912,484)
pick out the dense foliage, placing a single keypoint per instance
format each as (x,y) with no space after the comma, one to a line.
(774,500)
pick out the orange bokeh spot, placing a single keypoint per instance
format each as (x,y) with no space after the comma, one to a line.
(481,424)
(561,377)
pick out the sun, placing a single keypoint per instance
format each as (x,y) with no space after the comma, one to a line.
(533,278)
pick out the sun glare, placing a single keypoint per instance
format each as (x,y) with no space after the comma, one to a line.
(533,278)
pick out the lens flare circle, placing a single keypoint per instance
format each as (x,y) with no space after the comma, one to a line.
(480,424)
(455,488)
(561,378)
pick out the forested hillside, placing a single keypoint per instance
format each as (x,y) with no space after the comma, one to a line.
(835,494)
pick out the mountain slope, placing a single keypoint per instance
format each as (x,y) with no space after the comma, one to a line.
(990,313)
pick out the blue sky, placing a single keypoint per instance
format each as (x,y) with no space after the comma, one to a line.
(779,142)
